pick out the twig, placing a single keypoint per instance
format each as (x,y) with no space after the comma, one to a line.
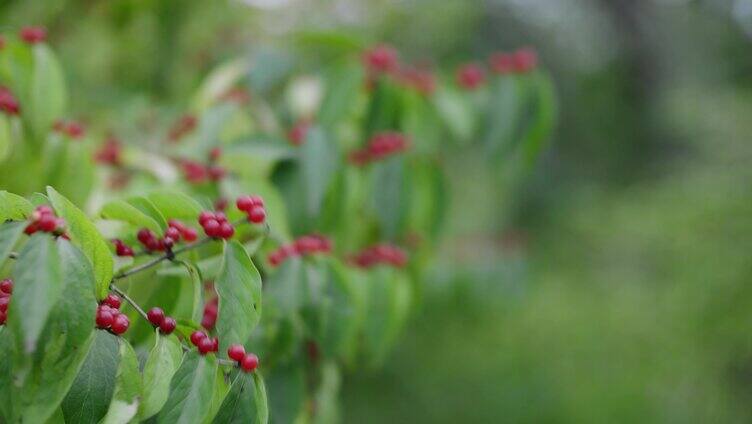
(132,302)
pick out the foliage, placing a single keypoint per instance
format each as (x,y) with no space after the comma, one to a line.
(318,274)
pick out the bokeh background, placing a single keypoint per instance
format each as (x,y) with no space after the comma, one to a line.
(612,283)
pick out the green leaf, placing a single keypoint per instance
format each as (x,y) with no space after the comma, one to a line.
(220,391)
(147,208)
(319,162)
(191,391)
(343,312)
(388,306)
(390,188)
(38,284)
(221,79)
(14,207)
(67,339)
(164,360)
(246,402)
(544,99)
(455,112)
(286,390)
(239,291)
(284,288)
(10,232)
(343,89)
(121,210)
(48,97)
(91,392)
(85,234)
(173,204)
(125,400)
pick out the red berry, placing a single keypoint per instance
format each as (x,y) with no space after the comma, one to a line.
(145,235)
(221,217)
(155,315)
(174,223)
(236,352)
(205,216)
(205,345)
(249,362)
(226,230)
(8,102)
(33,35)
(3,318)
(112,301)
(6,286)
(208,321)
(212,228)
(216,173)
(173,233)
(214,154)
(197,336)
(4,301)
(470,76)
(104,318)
(120,324)
(257,215)
(189,234)
(166,243)
(215,344)
(168,325)
(244,203)
(47,223)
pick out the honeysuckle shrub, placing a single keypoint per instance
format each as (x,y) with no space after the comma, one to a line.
(229,265)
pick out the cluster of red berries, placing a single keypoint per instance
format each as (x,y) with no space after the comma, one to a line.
(8,102)
(110,153)
(470,76)
(204,343)
(176,231)
(184,126)
(380,146)
(73,129)
(216,225)
(122,249)
(211,310)
(521,61)
(298,133)
(110,317)
(33,35)
(157,317)
(198,173)
(306,245)
(6,289)
(379,255)
(248,362)
(381,59)
(253,206)
(44,219)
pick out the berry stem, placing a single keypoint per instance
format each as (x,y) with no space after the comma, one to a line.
(132,302)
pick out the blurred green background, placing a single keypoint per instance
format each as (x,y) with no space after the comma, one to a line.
(611,284)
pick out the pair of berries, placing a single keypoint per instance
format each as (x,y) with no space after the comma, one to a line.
(216,225)
(379,255)
(522,61)
(306,245)
(157,317)
(110,153)
(470,76)
(6,289)
(44,219)
(33,35)
(197,173)
(122,249)
(8,102)
(379,147)
(211,310)
(253,206)
(175,231)
(72,129)
(248,362)
(204,343)
(110,317)
(184,126)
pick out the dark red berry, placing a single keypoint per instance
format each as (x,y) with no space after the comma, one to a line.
(215,345)
(168,325)
(249,362)
(3,318)
(257,215)
(244,203)
(173,233)
(104,318)
(6,286)
(236,352)
(155,315)
(120,324)
(47,223)
(214,154)
(205,345)
(33,35)
(8,102)
(226,230)
(167,243)
(205,216)
(4,301)
(112,301)
(197,336)
(212,228)
(145,235)
(189,234)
